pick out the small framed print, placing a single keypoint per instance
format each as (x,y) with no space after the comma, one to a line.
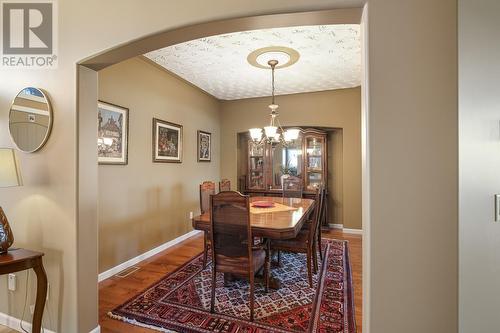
(167,142)
(204,146)
(112,137)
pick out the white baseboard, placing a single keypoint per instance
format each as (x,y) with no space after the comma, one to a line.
(15,324)
(112,271)
(346,230)
(96,330)
(353,231)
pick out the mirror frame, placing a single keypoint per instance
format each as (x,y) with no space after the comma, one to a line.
(49,127)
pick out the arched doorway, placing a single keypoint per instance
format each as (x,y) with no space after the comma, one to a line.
(87,220)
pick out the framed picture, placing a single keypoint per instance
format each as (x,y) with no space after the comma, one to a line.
(167,142)
(112,135)
(204,146)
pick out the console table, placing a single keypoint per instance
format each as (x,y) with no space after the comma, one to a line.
(20,260)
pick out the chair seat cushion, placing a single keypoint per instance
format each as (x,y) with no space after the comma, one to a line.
(240,265)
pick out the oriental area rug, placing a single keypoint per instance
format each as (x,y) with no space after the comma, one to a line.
(180,302)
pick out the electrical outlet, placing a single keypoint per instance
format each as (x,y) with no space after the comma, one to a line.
(32,309)
(12,282)
(191,215)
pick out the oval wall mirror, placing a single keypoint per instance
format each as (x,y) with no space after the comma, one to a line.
(30,119)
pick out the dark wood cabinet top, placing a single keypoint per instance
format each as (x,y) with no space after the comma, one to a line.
(18,255)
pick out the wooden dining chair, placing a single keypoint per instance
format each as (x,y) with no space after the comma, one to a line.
(308,224)
(242,183)
(224,185)
(305,241)
(292,187)
(320,222)
(233,249)
(207,188)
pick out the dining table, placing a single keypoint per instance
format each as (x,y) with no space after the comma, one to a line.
(283,219)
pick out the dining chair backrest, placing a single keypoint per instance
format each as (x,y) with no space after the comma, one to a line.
(318,209)
(242,184)
(230,219)
(207,188)
(224,185)
(322,216)
(292,187)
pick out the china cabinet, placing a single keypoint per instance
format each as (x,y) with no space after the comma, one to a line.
(269,163)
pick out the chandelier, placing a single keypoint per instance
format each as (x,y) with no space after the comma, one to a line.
(273,133)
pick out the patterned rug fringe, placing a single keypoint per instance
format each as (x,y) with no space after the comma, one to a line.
(138,323)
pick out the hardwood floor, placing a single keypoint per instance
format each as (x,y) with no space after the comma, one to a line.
(4,329)
(114,291)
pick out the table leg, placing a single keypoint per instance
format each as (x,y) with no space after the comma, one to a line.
(41,295)
(228,278)
(274,283)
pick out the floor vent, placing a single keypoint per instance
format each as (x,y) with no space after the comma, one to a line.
(127,272)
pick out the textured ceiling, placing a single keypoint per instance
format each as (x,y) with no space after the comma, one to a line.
(330,58)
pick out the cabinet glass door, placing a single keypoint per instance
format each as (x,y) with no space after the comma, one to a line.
(287,160)
(255,166)
(315,148)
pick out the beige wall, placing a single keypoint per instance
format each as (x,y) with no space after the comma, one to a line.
(87,198)
(336,108)
(144,204)
(413,139)
(413,166)
(336,178)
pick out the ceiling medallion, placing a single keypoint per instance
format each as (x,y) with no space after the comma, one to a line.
(284,55)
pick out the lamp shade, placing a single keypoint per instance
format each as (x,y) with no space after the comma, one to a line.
(255,134)
(10,173)
(293,133)
(270,131)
